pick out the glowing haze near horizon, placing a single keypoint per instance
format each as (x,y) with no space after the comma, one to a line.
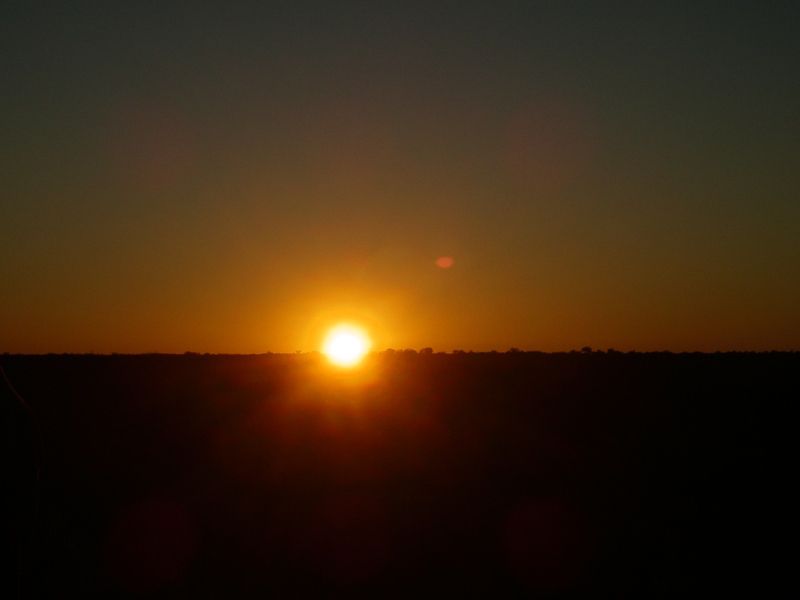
(240,178)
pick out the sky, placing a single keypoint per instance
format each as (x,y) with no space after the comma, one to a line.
(239,176)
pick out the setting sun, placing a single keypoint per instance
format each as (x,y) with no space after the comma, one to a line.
(346,345)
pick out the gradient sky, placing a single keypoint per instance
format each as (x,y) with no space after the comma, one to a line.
(237,176)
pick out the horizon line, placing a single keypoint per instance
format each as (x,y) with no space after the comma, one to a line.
(426,351)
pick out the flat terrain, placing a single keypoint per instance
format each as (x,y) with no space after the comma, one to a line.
(546,475)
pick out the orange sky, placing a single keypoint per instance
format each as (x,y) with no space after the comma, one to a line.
(239,182)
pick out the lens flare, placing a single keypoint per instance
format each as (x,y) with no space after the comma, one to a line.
(346,345)
(445,262)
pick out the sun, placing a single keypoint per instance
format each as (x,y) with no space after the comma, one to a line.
(346,345)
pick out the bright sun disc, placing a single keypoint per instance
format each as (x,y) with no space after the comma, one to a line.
(346,345)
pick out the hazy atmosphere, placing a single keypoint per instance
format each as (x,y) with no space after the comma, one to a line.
(238,177)
(365,300)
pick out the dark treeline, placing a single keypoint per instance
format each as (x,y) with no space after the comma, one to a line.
(585,474)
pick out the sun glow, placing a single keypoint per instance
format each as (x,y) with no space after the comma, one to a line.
(346,345)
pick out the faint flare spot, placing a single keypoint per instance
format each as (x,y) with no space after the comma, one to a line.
(151,545)
(445,262)
(548,544)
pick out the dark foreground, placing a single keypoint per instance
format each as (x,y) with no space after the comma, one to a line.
(573,475)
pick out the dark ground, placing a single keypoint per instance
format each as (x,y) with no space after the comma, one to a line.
(543,475)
